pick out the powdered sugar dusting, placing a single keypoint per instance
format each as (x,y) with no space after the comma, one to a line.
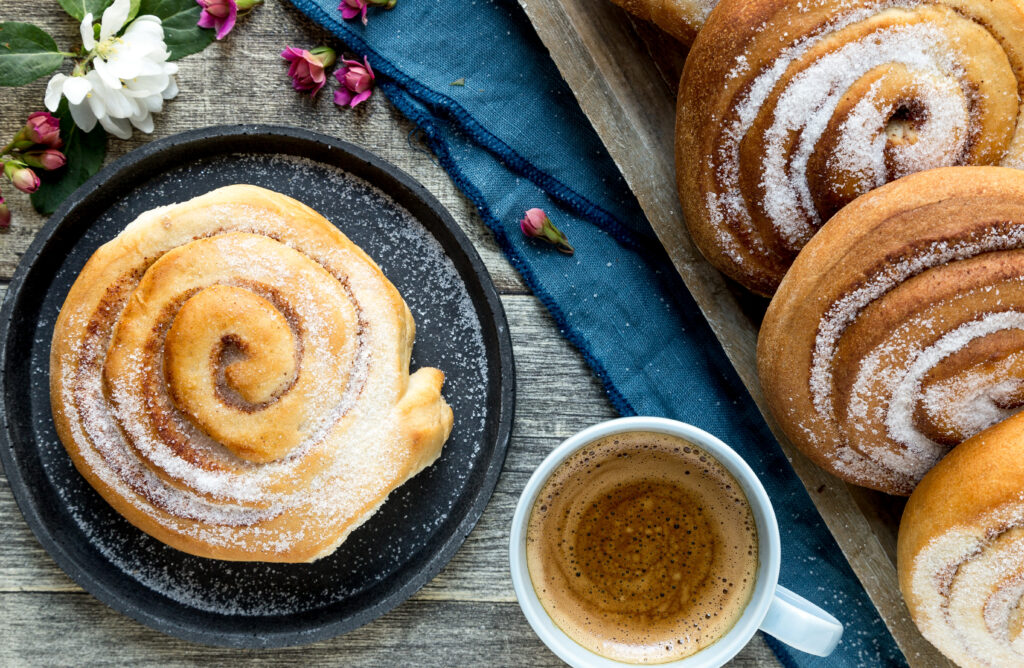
(969,583)
(445,315)
(799,103)
(810,100)
(902,387)
(846,309)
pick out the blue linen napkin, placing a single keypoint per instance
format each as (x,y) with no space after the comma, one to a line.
(513,138)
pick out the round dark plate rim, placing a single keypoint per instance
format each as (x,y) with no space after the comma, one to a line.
(431,565)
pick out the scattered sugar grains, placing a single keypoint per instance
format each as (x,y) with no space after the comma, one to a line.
(449,337)
(807,102)
(906,382)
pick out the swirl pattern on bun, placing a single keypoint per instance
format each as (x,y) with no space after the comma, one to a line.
(232,375)
(899,331)
(961,550)
(788,111)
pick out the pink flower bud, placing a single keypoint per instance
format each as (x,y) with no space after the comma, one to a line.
(23,178)
(49,159)
(352,8)
(219,15)
(42,127)
(532,223)
(356,81)
(307,69)
(5,215)
(536,224)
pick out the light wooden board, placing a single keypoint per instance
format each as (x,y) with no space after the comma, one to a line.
(467,616)
(626,86)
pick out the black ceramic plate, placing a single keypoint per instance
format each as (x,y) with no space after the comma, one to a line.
(461,329)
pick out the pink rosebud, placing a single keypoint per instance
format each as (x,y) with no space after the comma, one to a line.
(537,225)
(219,15)
(23,178)
(356,81)
(350,9)
(307,67)
(5,215)
(49,159)
(532,223)
(42,127)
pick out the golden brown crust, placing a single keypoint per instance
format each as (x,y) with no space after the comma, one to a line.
(898,331)
(231,374)
(787,111)
(961,566)
(680,18)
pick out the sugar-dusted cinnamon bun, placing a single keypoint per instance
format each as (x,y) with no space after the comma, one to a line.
(232,375)
(789,110)
(961,550)
(899,330)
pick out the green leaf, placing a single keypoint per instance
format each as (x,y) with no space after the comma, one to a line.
(181,32)
(85,152)
(79,8)
(26,53)
(133,11)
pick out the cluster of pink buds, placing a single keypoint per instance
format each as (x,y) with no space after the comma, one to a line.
(307,70)
(36,146)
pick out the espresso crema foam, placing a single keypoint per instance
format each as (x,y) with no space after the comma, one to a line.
(642,548)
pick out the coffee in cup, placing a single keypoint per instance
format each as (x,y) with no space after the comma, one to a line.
(642,548)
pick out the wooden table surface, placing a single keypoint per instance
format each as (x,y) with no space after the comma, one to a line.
(468,614)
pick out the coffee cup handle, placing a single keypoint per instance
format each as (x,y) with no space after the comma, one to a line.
(801,624)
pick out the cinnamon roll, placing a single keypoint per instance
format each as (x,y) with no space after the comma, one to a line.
(899,330)
(961,550)
(789,110)
(232,375)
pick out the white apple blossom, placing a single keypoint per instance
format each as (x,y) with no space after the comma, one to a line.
(130,78)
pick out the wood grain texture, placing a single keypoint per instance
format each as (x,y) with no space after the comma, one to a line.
(467,615)
(626,87)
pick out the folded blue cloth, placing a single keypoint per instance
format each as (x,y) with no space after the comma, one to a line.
(513,138)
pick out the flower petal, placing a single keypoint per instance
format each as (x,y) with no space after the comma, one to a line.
(206,20)
(361,97)
(114,18)
(54,90)
(227,24)
(86,30)
(145,123)
(342,97)
(76,88)
(152,104)
(171,91)
(107,76)
(119,127)
(82,116)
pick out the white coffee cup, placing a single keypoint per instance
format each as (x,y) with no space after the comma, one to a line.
(772,608)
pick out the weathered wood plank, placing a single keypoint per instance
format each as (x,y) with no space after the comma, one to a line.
(625,96)
(75,629)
